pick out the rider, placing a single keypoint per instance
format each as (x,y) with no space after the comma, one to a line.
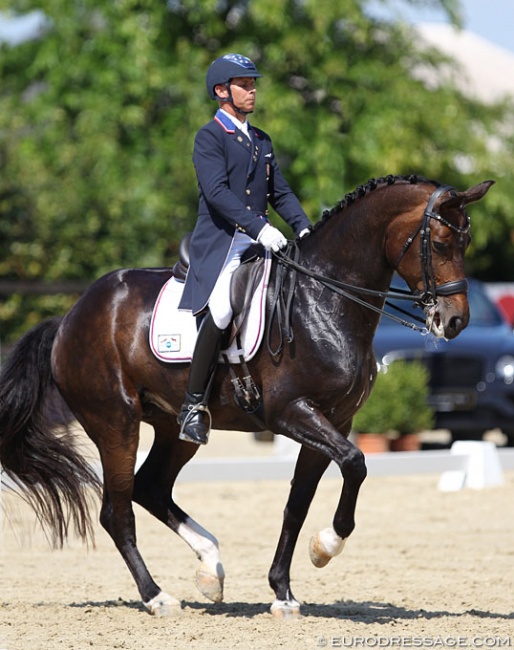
(237,176)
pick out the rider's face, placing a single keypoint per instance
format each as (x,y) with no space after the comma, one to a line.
(243,93)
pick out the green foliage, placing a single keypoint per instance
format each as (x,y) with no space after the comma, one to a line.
(398,401)
(98,117)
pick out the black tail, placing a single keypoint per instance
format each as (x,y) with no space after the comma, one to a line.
(45,467)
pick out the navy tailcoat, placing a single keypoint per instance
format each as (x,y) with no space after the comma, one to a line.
(237,178)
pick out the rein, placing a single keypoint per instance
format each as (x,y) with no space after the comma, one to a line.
(281,307)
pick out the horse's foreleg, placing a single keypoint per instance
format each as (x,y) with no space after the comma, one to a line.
(329,542)
(153,490)
(309,469)
(321,443)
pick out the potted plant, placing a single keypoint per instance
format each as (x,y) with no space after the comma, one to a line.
(397,408)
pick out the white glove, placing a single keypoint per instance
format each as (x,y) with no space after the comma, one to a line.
(271,238)
(304,233)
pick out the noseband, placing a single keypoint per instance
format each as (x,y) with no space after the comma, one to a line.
(428,296)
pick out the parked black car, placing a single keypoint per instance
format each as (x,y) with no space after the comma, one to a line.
(471,377)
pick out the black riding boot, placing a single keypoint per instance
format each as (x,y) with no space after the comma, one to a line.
(194,417)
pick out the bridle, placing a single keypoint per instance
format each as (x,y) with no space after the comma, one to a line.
(426,298)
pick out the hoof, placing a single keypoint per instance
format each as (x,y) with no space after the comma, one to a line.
(211,586)
(286,609)
(324,546)
(317,552)
(163,605)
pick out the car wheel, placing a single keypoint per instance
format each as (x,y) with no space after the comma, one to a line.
(510,438)
(469,434)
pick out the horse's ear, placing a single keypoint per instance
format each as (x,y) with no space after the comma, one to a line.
(461,199)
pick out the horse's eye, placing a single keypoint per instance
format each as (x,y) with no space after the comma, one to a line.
(440,247)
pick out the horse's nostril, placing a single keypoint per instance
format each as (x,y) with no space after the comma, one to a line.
(455,326)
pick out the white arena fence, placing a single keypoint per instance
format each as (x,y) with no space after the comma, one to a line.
(468,464)
(473,464)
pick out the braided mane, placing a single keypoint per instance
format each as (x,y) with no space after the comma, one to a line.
(363,190)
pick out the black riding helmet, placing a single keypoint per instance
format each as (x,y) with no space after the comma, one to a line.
(225,68)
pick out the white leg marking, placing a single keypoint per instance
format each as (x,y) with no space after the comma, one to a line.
(163,605)
(324,546)
(210,575)
(204,544)
(286,609)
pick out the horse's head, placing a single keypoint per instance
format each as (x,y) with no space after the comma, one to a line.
(426,245)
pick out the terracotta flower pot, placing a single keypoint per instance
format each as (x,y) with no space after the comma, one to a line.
(406,442)
(372,443)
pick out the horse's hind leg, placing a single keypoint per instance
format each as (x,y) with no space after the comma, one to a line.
(153,491)
(118,455)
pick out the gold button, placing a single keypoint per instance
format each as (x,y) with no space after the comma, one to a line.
(248,191)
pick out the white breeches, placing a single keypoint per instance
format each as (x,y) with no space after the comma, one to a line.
(219,300)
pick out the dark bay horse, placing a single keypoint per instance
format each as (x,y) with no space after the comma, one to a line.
(98,358)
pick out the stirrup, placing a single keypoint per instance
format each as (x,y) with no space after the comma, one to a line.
(192,410)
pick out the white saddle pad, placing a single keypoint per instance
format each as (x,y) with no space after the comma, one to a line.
(173,333)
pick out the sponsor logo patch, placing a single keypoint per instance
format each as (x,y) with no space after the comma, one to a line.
(169,343)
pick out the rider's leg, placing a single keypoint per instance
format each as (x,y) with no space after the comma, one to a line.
(194,417)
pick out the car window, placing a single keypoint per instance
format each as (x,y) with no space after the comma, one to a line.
(484,312)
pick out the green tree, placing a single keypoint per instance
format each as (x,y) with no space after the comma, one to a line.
(98,116)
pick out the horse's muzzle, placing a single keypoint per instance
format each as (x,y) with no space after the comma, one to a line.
(449,316)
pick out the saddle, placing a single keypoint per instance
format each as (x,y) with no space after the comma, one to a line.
(244,282)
